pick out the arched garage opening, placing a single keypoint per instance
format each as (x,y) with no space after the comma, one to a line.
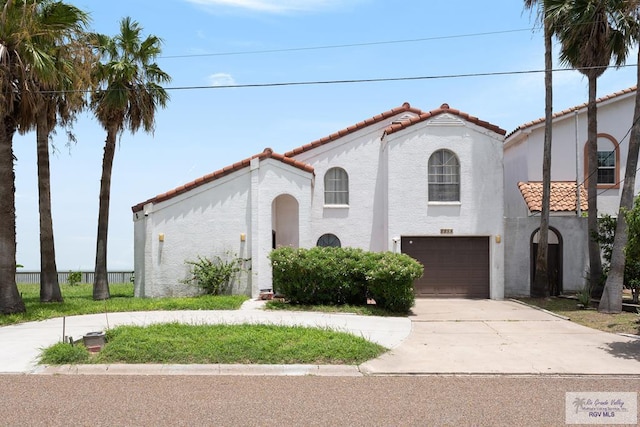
(285,221)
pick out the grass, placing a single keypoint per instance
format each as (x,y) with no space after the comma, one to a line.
(174,343)
(364,310)
(617,323)
(78,300)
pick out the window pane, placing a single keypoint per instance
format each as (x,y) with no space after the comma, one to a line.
(336,187)
(444,177)
(606,167)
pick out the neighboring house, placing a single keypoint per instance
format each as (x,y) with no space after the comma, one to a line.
(523,150)
(429,184)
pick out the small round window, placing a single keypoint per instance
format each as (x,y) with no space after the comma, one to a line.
(330,240)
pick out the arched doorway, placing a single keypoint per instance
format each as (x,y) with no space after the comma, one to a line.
(285,222)
(554,259)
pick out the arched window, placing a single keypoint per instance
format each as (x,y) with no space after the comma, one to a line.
(608,162)
(336,187)
(444,177)
(329,240)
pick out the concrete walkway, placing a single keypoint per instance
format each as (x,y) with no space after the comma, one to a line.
(440,337)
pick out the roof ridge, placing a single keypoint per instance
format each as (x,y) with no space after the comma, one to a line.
(574,108)
(405,107)
(444,108)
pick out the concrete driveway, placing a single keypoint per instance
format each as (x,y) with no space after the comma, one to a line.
(506,337)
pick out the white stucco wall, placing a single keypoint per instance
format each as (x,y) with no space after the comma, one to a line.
(615,118)
(362,223)
(209,221)
(575,260)
(480,210)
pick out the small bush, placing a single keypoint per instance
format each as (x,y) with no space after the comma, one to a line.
(74,278)
(336,276)
(214,276)
(64,354)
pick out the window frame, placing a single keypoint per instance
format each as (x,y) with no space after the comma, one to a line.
(438,197)
(328,236)
(615,167)
(331,188)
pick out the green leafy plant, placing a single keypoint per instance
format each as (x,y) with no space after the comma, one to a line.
(337,276)
(64,353)
(74,278)
(584,297)
(214,275)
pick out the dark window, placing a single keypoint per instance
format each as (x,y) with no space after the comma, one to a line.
(606,167)
(329,240)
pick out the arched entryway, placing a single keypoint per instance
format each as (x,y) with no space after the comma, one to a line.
(285,221)
(554,259)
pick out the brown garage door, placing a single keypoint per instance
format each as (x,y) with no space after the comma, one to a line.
(454,267)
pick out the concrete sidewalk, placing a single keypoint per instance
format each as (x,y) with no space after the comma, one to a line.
(440,337)
(503,337)
(20,344)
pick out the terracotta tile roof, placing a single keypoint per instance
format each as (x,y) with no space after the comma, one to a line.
(266,154)
(406,107)
(444,108)
(572,109)
(563,196)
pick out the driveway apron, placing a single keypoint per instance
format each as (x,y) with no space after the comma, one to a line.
(455,336)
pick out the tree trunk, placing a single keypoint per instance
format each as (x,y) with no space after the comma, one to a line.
(10,299)
(611,301)
(49,286)
(101,284)
(595,261)
(541,283)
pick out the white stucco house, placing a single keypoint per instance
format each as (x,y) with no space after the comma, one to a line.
(523,150)
(429,184)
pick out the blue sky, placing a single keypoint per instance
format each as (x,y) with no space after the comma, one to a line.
(209,44)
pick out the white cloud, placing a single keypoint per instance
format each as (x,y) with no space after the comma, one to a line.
(273,6)
(221,79)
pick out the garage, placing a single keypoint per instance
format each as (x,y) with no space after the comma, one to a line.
(454,267)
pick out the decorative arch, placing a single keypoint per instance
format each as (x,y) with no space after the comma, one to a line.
(554,258)
(608,162)
(285,221)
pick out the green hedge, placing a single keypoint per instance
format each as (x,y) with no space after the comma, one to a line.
(336,276)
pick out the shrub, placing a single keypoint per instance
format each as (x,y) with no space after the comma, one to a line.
(336,276)
(74,278)
(214,276)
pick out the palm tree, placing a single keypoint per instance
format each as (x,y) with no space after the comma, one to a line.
(540,285)
(26,39)
(127,97)
(590,40)
(611,301)
(58,101)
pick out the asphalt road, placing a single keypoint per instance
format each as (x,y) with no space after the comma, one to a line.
(82,400)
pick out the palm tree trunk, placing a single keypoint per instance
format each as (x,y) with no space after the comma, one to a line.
(101,284)
(541,284)
(595,262)
(49,286)
(611,301)
(10,299)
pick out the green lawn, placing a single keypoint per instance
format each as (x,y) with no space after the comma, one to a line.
(173,343)
(78,300)
(616,323)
